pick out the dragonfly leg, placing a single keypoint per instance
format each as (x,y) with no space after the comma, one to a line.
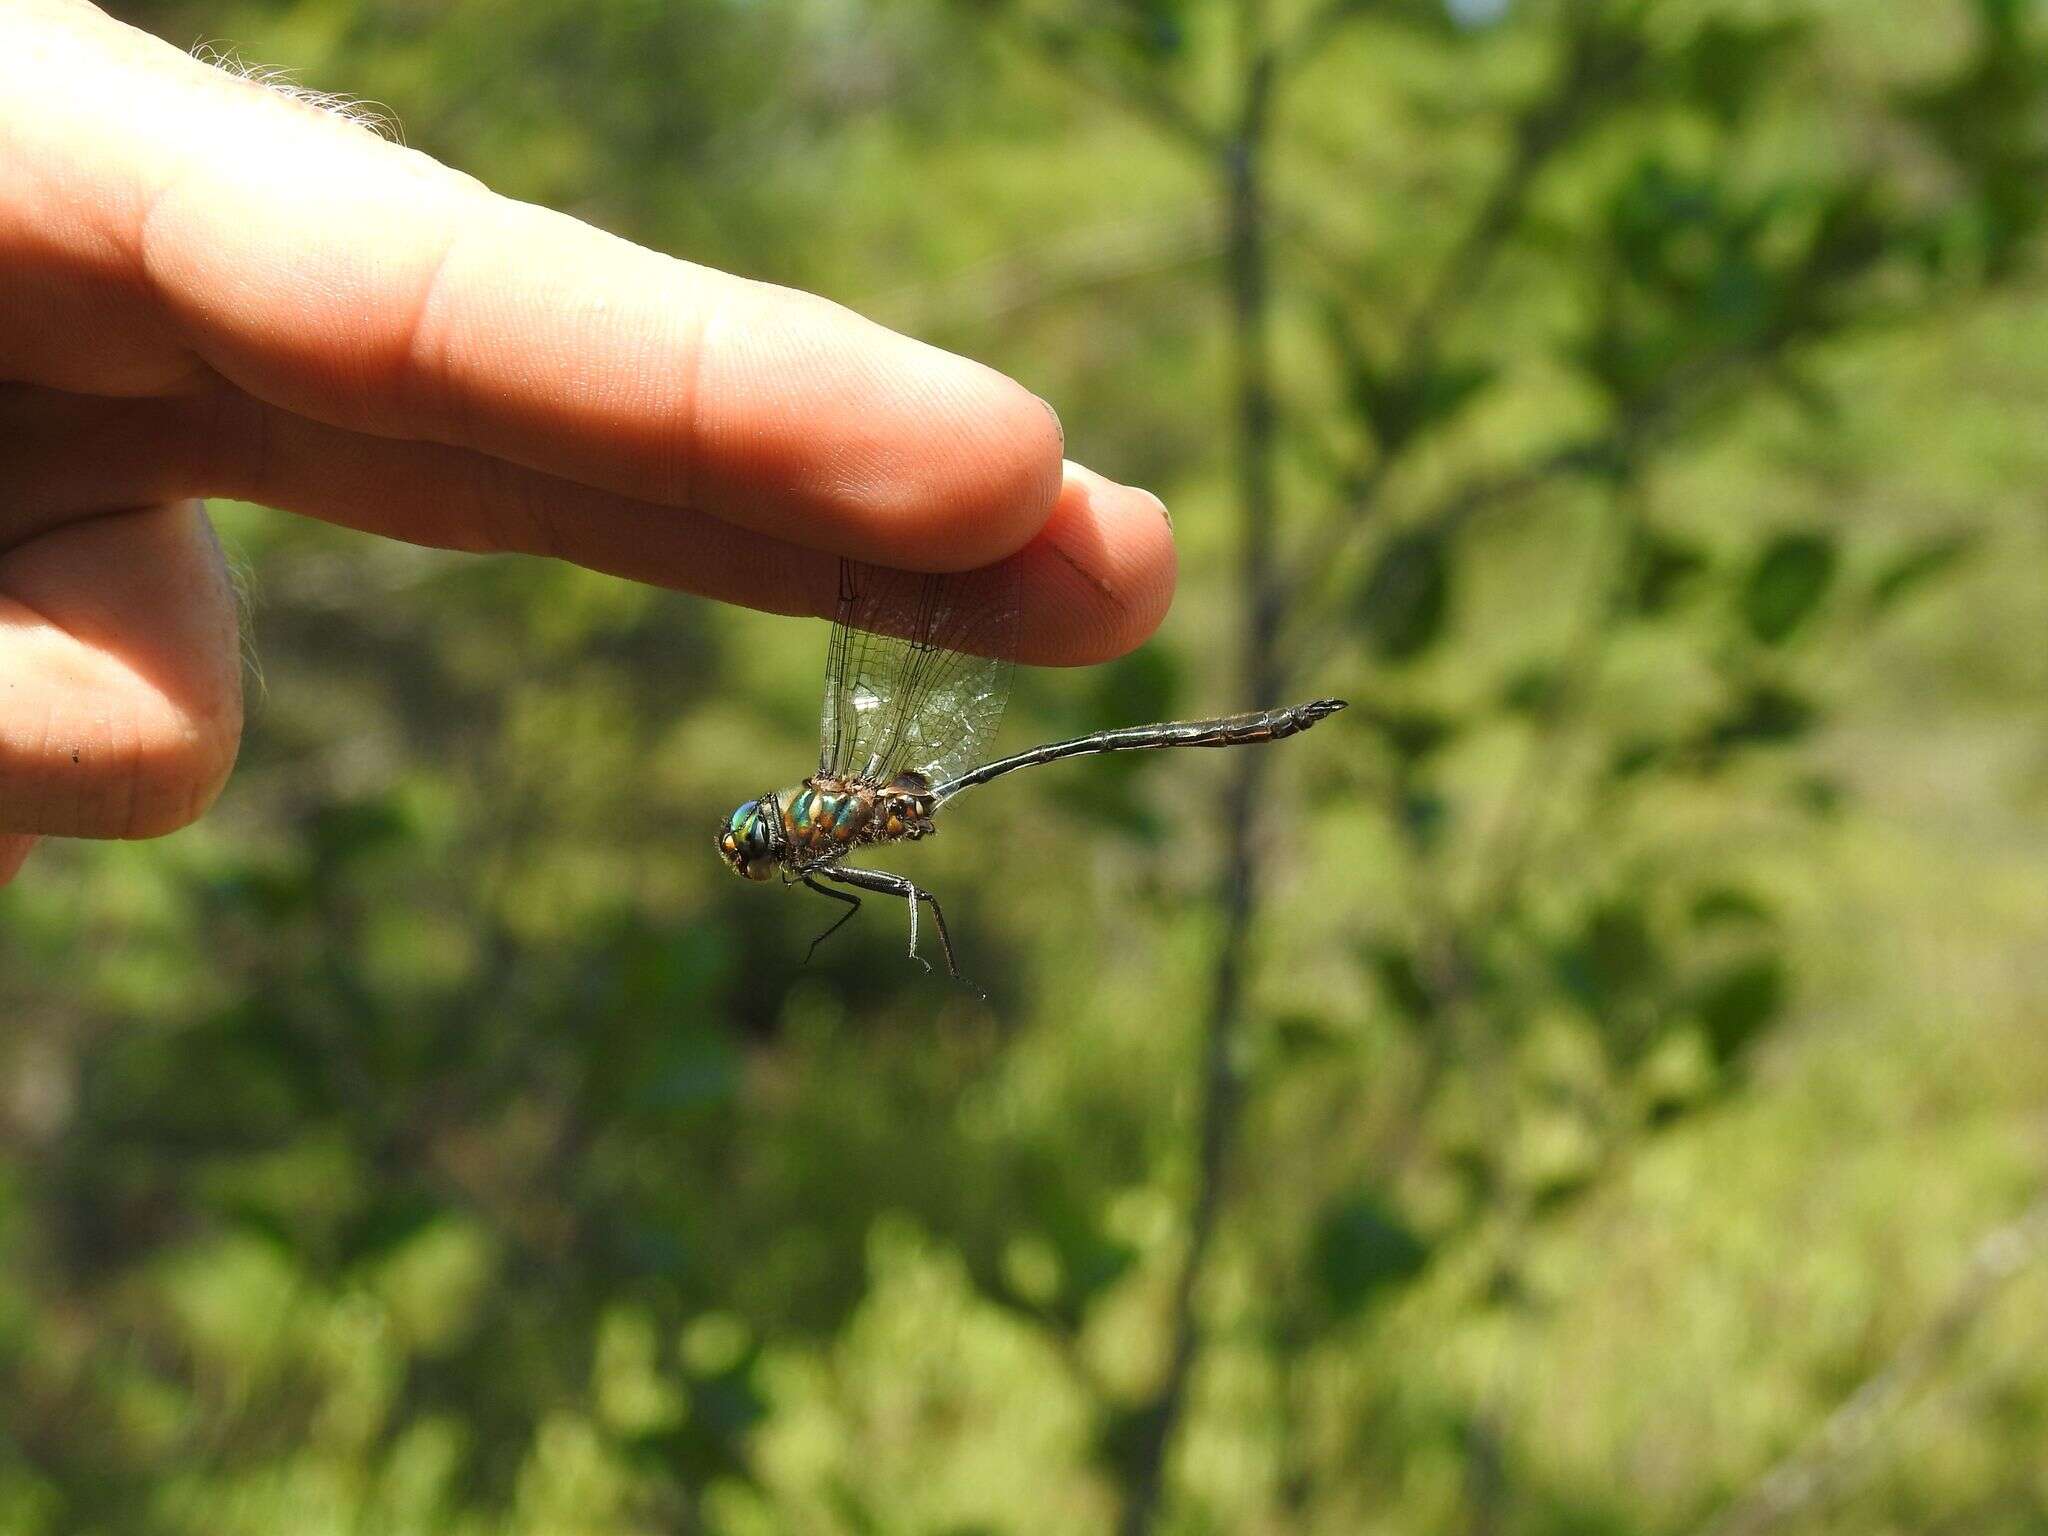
(852,906)
(945,938)
(895,885)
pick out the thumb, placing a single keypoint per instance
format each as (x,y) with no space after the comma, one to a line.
(120,677)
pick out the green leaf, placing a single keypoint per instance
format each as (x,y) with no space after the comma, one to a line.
(1412,734)
(728,1404)
(1664,568)
(269,891)
(1532,689)
(1406,602)
(345,830)
(1402,406)
(1362,1249)
(1123,1436)
(1636,756)
(1423,816)
(393,1219)
(1089,1259)
(1432,399)
(1400,980)
(1091,1262)
(1728,62)
(1305,1037)
(1766,716)
(1740,1002)
(1727,905)
(1917,565)
(1613,960)
(258,1220)
(1787,583)
(1819,795)
(1855,232)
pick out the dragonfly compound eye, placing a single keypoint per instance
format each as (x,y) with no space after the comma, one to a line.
(747,842)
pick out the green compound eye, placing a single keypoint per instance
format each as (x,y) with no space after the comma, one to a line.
(750,841)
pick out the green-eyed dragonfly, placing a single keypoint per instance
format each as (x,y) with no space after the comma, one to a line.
(916,677)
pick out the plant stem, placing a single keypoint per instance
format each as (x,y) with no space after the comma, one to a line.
(1256,424)
(1800,1484)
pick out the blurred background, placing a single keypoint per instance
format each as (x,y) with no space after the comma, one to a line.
(1597,1085)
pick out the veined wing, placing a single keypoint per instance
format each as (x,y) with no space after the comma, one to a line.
(918,670)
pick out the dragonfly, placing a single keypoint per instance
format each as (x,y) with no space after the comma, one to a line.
(917,673)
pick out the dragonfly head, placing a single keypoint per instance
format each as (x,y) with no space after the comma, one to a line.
(751,839)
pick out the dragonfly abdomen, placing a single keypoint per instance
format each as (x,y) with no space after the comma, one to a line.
(1227,730)
(1223,731)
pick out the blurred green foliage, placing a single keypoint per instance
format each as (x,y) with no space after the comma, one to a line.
(1647,1016)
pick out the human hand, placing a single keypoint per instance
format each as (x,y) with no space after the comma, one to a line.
(207,288)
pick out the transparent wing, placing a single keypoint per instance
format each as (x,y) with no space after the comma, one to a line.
(918,670)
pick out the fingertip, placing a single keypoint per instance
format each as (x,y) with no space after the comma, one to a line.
(15,848)
(1100,577)
(177,772)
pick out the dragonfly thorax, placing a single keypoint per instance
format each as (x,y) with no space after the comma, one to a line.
(822,820)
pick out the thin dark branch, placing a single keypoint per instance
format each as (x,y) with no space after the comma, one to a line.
(1508,847)
(1539,132)
(1587,77)
(1314,609)
(1486,1476)
(1068,51)
(1640,425)
(1222,1094)
(1328,19)
(1222,1091)
(1462,272)
(1536,136)
(1795,1484)
(1045,272)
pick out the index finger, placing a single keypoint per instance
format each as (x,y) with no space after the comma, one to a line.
(364,286)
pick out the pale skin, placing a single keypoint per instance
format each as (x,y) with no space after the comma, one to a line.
(207,289)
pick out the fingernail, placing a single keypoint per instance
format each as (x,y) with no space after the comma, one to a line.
(1057,425)
(1155,502)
